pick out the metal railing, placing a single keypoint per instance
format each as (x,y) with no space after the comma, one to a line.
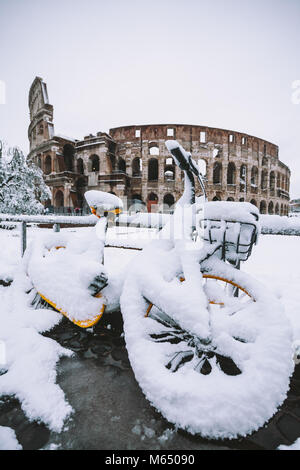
(269,226)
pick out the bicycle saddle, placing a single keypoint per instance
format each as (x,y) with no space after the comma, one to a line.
(100,201)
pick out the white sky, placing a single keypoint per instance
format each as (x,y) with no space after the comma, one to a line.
(107,63)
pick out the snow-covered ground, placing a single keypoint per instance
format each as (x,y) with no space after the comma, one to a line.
(275,261)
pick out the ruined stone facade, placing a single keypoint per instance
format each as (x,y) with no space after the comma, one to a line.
(133,162)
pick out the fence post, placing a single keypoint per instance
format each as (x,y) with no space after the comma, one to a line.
(23,237)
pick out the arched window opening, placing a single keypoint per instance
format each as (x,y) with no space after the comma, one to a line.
(80,190)
(94,163)
(136,167)
(231,173)
(253,202)
(169,200)
(272,181)
(137,204)
(216,198)
(59,199)
(278,181)
(277,209)
(169,174)
(154,150)
(169,169)
(122,165)
(68,153)
(254,177)
(271,208)
(80,168)
(136,198)
(230,199)
(264,179)
(48,164)
(264,161)
(243,177)
(153,169)
(152,201)
(263,207)
(217,173)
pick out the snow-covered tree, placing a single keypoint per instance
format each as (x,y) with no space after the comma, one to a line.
(22,187)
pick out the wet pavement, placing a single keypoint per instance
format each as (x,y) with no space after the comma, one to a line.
(111,412)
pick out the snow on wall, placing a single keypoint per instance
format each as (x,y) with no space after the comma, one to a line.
(276,224)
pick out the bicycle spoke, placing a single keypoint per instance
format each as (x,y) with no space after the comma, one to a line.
(163,319)
(179,359)
(166,337)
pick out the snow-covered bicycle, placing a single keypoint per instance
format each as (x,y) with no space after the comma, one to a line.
(68,274)
(209,345)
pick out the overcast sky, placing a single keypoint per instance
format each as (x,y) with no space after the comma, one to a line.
(108,63)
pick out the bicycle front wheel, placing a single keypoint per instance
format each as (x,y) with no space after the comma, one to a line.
(224,387)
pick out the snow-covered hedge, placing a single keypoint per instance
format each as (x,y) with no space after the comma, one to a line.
(278,225)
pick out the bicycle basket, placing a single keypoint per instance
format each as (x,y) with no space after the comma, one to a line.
(236,239)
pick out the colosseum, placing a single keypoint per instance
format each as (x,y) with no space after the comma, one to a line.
(133,163)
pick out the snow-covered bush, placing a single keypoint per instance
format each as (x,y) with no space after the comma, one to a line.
(22,187)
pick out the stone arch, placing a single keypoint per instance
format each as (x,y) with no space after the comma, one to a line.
(253,201)
(80,167)
(231,173)
(263,207)
(264,161)
(153,169)
(59,199)
(94,163)
(230,199)
(217,173)
(277,209)
(216,198)
(48,165)
(242,199)
(136,166)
